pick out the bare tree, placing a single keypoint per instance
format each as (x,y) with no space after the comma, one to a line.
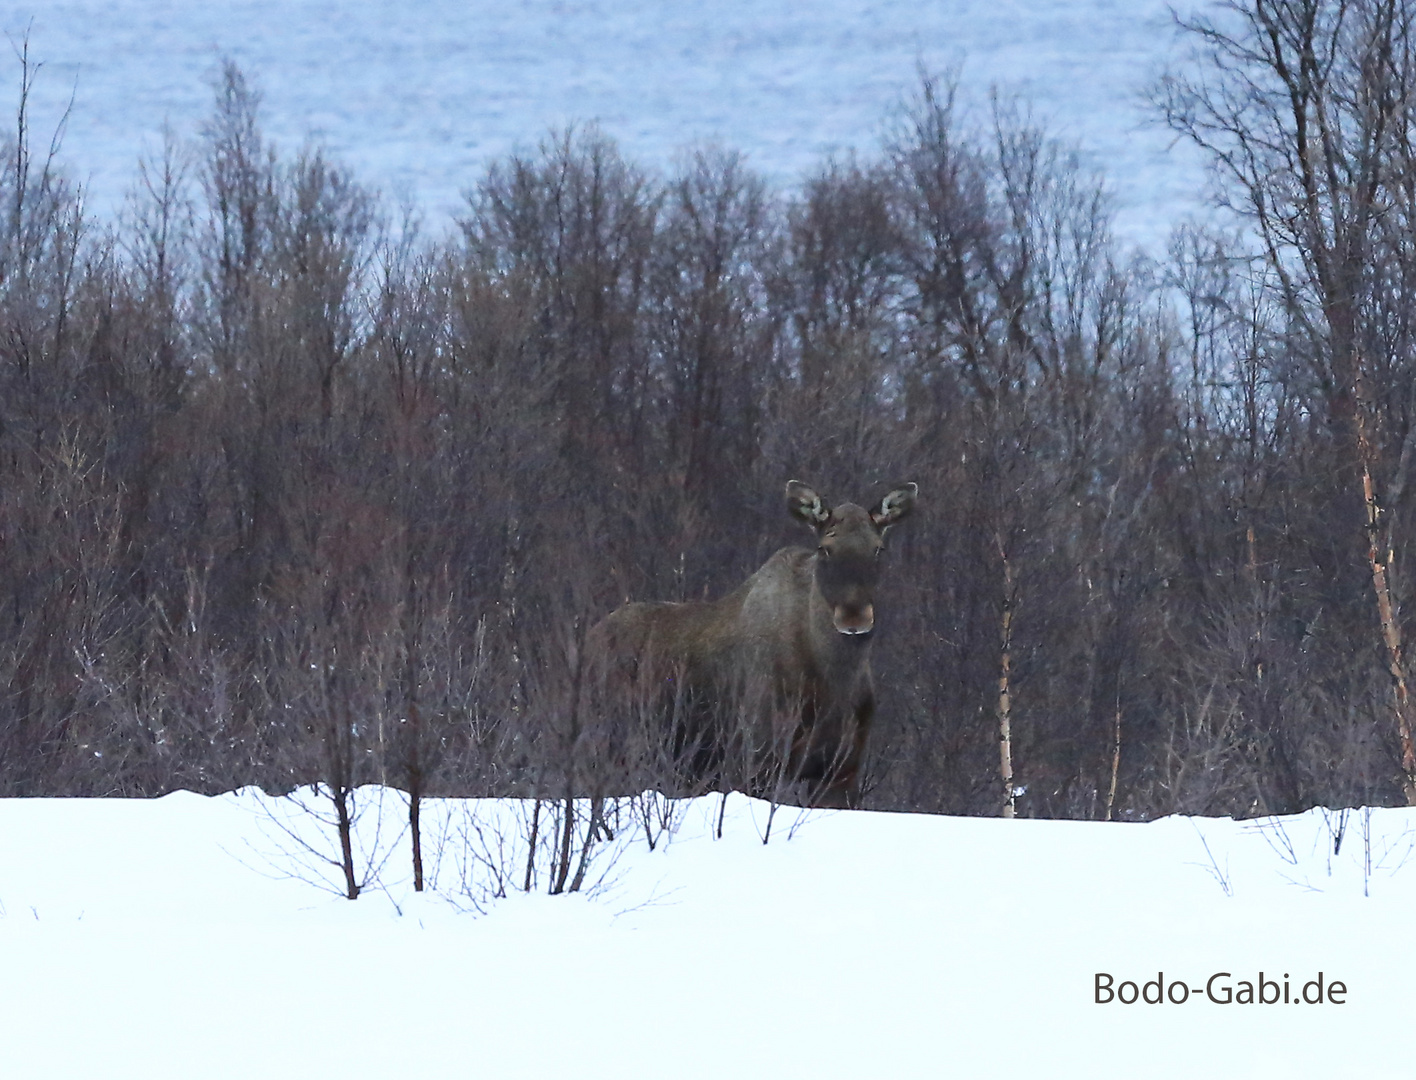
(1304,106)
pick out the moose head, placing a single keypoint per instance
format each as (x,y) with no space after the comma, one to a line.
(849,541)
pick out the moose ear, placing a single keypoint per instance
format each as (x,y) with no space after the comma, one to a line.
(805,505)
(892,509)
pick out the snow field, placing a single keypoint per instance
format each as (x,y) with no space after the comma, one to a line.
(142,939)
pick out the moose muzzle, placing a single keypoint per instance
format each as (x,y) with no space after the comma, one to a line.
(853,620)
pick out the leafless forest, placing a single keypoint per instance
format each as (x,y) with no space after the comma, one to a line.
(292,490)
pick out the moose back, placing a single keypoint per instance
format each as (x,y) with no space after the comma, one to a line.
(769,688)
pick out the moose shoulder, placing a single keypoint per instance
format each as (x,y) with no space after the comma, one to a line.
(770,685)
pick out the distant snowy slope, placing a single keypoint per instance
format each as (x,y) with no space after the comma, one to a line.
(418,96)
(133,943)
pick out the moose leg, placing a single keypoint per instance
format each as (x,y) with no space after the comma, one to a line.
(839,786)
(695,750)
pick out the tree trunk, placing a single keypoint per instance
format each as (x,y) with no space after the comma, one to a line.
(1115,763)
(1379,558)
(415,804)
(1005,690)
(531,847)
(346,844)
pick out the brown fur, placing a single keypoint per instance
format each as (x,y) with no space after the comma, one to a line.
(776,675)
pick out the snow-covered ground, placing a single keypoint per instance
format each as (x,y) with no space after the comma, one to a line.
(420,95)
(140,938)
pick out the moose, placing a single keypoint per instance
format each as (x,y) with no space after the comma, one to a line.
(776,675)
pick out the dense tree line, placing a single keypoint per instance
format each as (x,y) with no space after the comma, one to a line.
(291,490)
